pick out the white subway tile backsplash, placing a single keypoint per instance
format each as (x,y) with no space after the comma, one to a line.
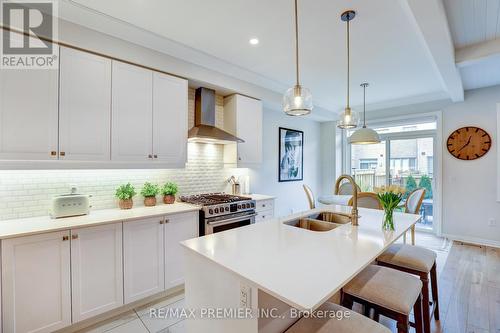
(28,193)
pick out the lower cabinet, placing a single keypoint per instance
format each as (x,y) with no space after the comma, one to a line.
(264,209)
(143,258)
(55,279)
(96,270)
(36,283)
(177,229)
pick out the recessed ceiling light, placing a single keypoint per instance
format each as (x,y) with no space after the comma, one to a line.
(254,41)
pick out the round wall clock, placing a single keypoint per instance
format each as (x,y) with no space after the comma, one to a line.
(469,143)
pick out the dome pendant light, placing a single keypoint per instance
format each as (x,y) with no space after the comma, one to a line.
(348,118)
(297,100)
(364,135)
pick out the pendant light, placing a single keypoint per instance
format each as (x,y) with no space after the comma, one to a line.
(297,100)
(364,135)
(348,118)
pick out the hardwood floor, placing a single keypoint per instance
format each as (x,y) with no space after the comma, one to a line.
(469,287)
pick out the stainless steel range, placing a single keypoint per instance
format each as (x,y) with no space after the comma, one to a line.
(222,211)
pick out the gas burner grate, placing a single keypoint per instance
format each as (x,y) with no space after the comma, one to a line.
(212,198)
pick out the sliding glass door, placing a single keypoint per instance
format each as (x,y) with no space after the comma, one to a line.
(404,158)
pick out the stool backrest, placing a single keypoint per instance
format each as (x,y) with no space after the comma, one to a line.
(310,196)
(414,201)
(367,200)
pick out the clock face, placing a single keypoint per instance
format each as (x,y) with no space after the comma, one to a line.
(469,143)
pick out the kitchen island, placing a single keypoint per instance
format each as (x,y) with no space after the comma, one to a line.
(295,266)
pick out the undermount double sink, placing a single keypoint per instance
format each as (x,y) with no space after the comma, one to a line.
(320,222)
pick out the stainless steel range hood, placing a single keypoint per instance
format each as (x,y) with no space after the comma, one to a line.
(204,129)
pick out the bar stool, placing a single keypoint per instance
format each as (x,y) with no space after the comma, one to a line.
(418,261)
(389,292)
(355,323)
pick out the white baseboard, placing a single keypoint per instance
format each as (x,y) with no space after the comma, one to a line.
(473,240)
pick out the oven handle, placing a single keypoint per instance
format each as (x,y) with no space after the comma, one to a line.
(234,219)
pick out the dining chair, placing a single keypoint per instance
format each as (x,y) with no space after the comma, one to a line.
(310,196)
(412,206)
(367,200)
(346,189)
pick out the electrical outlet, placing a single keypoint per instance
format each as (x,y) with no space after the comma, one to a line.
(492,222)
(245,296)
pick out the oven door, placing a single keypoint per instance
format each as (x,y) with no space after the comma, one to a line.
(229,222)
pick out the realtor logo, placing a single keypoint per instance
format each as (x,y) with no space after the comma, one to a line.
(28,28)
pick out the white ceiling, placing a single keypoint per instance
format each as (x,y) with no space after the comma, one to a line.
(473,21)
(387,50)
(475,27)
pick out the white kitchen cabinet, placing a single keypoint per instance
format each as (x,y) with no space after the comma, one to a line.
(132,115)
(178,228)
(170,119)
(28,114)
(36,283)
(264,209)
(243,118)
(96,270)
(84,106)
(143,258)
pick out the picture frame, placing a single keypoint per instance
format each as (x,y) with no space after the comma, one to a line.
(291,155)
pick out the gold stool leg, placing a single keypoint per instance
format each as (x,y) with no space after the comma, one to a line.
(413,235)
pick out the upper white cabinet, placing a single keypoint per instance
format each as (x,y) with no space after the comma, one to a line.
(170,119)
(84,106)
(28,114)
(96,270)
(143,258)
(243,118)
(132,137)
(36,283)
(178,228)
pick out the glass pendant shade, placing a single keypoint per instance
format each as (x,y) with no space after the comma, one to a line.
(364,136)
(348,119)
(297,101)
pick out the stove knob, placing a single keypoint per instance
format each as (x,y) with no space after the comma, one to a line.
(239,206)
(210,211)
(252,204)
(227,209)
(216,210)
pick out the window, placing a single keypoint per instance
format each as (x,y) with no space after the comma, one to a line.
(430,165)
(398,165)
(368,163)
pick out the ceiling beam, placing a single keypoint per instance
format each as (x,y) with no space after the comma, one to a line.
(473,54)
(431,25)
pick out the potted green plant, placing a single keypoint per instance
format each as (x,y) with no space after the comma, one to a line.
(169,190)
(149,192)
(125,193)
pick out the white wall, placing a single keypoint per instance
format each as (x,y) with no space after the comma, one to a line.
(290,195)
(469,187)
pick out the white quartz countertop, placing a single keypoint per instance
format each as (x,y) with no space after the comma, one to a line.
(300,267)
(35,225)
(258,197)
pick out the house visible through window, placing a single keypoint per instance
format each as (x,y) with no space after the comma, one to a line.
(368,163)
(430,165)
(400,164)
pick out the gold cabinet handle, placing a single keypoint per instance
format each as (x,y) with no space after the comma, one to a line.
(53,153)
(161,222)
(150,156)
(155,156)
(65,238)
(166,221)
(74,236)
(62,153)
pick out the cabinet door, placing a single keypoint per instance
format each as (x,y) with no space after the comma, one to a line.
(28,114)
(143,258)
(36,283)
(132,113)
(170,119)
(96,270)
(249,128)
(178,228)
(84,106)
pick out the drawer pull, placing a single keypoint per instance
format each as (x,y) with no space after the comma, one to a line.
(166,221)
(150,156)
(65,238)
(53,153)
(263,205)
(155,156)
(74,236)
(62,153)
(161,222)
